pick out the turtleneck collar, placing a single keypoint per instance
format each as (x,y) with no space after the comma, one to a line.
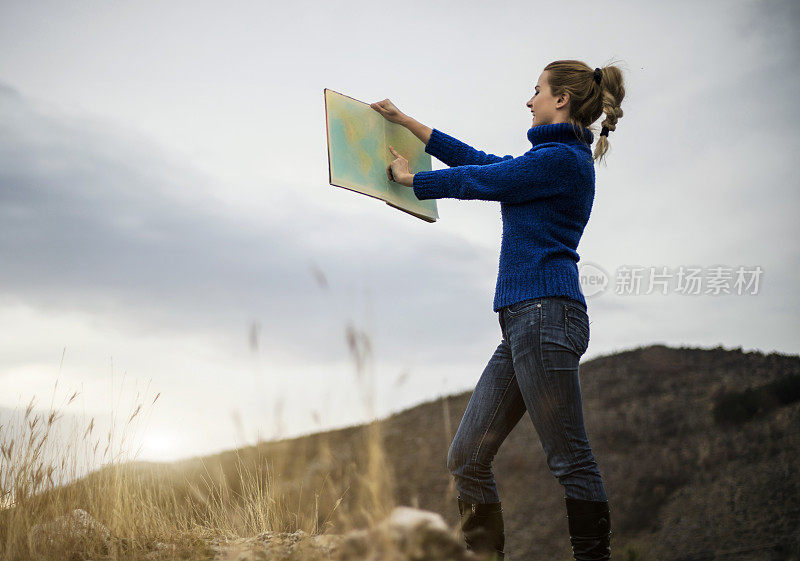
(558,132)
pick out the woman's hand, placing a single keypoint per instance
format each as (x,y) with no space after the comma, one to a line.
(399,171)
(389,111)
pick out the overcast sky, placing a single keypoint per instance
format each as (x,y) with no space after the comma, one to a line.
(167,223)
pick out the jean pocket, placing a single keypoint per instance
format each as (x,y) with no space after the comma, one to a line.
(519,308)
(576,328)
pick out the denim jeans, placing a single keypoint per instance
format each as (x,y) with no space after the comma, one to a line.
(534,369)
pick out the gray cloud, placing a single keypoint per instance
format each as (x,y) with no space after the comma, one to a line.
(94,221)
(147,259)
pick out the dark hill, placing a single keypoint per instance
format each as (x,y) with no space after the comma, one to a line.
(682,485)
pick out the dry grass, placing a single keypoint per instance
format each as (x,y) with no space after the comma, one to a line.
(166,510)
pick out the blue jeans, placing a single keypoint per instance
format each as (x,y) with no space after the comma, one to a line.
(534,369)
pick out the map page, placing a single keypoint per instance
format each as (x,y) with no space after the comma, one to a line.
(358,154)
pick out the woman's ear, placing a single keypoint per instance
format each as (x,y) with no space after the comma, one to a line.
(562,100)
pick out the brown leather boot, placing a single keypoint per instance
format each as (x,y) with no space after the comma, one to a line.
(482,525)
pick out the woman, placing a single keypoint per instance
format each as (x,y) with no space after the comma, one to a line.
(545,198)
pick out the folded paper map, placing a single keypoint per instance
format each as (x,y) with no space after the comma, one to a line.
(358,154)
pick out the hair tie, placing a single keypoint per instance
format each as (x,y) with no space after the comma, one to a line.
(598,74)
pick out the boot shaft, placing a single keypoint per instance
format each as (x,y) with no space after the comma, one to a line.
(482,525)
(589,529)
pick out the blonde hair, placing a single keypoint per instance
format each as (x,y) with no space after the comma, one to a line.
(588,99)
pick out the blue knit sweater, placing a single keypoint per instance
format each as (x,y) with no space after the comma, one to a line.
(545,198)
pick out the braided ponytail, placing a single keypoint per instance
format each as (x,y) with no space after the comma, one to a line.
(612,91)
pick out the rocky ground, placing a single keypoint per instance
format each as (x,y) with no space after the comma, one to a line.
(407,534)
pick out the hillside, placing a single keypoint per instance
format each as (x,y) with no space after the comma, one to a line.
(683,484)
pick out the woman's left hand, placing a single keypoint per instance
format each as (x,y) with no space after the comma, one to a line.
(399,171)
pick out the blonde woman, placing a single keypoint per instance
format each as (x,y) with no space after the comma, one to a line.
(545,198)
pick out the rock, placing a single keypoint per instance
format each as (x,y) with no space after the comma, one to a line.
(407,534)
(78,533)
(78,528)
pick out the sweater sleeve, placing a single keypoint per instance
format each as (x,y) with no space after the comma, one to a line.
(453,152)
(539,173)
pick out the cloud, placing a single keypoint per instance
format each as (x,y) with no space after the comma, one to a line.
(98,219)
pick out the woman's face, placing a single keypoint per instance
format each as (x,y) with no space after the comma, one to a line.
(546,108)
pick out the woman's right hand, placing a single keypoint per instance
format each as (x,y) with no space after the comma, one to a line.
(389,111)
